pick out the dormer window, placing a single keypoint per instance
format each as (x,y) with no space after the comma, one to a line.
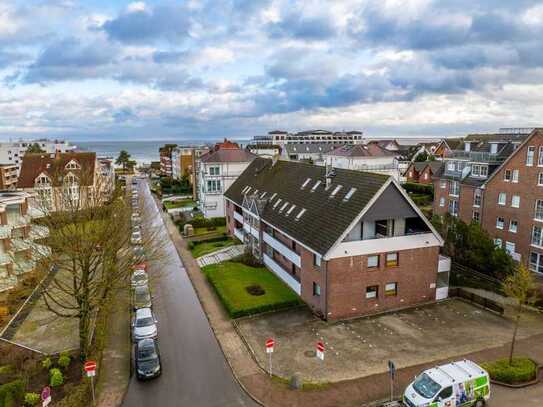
(43,181)
(73,165)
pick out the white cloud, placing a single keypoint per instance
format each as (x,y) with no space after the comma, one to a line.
(136,6)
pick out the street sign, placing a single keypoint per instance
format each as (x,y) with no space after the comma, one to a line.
(320,350)
(90,368)
(46,396)
(269,345)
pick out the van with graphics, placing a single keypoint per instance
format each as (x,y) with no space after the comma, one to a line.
(462,383)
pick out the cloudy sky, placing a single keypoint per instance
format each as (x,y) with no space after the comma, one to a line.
(113,69)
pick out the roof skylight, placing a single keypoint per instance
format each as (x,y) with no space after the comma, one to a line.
(263,194)
(300,214)
(277,203)
(335,191)
(291,209)
(273,196)
(349,194)
(316,185)
(306,182)
(282,208)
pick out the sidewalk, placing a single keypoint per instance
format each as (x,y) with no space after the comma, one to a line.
(347,393)
(115,366)
(221,255)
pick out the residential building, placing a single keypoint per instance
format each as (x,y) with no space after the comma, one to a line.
(184,161)
(217,170)
(312,152)
(350,243)
(370,157)
(8,176)
(165,154)
(282,138)
(62,180)
(265,150)
(12,152)
(495,180)
(422,172)
(20,247)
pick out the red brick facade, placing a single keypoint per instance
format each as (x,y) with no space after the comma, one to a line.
(421,177)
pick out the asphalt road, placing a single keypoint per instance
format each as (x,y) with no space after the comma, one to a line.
(195,372)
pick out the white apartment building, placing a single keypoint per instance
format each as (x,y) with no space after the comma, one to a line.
(217,170)
(281,138)
(12,152)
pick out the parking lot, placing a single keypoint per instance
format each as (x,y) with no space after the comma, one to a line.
(362,347)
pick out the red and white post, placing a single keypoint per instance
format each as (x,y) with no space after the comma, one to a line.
(90,369)
(269,350)
(320,350)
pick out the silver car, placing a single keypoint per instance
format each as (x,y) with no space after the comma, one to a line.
(136,238)
(139,278)
(144,325)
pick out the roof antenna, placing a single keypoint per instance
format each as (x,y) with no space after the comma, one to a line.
(329,174)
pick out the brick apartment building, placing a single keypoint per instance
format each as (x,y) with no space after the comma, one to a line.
(8,176)
(497,181)
(165,154)
(350,243)
(422,172)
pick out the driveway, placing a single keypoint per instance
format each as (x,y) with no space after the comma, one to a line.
(361,347)
(195,372)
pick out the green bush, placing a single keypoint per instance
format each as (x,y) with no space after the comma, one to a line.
(32,399)
(77,395)
(191,245)
(415,188)
(47,363)
(56,378)
(64,360)
(421,199)
(520,371)
(11,392)
(201,222)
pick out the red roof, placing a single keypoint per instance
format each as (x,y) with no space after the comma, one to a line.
(226,144)
(54,166)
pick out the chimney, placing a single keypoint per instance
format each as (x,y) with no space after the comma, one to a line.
(57,155)
(329,174)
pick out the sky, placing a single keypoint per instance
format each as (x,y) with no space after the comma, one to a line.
(208,69)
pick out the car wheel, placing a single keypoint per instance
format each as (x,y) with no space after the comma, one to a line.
(479,403)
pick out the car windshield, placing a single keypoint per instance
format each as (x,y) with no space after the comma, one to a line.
(147,321)
(147,353)
(425,386)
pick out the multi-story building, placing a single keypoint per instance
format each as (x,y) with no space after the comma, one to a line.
(422,172)
(217,170)
(265,150)
(62,180)
(370,157)
(184,161)
(350,243)
(308,151)
(495,180)
(281,138)
(165,153)
(20,248)
(12,152)
(8,176)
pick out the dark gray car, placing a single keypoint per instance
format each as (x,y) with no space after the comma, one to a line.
(147,358)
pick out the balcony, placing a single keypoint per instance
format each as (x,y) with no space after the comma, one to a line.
(444,264)
(239,234)
(283,249)
(282,274)
(251,230)
(238,216)
(476,156)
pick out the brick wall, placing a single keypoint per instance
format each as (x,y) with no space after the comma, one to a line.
(425,177)
(348,278)
(528,190)
(438,194)
(465,202)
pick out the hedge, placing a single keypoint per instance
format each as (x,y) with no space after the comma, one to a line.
(10,392)
(201,222)
(421,199)
(415,188)
(522,370)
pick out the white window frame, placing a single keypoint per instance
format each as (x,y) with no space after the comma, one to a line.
(538,210)
(500,222)
(454,188)
(475,218)
(373,259)
(213,186)
(540,179)
(536,238)
(510,247)
(391,292)
(515,201)
(374,294)
(502,199)
(515,176)
(507,175)
(530,153)
(477,198)
(442,201)
(215,170)
(513,226)
(540,157)
(498,242)
(536,266)
(442,183)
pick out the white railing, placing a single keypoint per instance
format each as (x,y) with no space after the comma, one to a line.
(442,293)
(282,274)
(444,264)
(283,249)
(239,234)
(251,230)
(238,216)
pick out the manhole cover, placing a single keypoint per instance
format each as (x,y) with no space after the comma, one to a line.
(309,353)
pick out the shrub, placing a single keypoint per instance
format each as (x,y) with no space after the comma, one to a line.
(31,399)
(64,360)
(47,363)
(427,189)
(9,400)
(248,259)
(56,378)
(11,392)
(76,396)
(520,371)
(191,245)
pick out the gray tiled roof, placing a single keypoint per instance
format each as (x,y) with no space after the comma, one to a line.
(310,148)
(325,218)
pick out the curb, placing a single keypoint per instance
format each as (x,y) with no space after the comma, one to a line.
(537,379)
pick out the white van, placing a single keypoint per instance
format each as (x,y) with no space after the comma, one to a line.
(455,384)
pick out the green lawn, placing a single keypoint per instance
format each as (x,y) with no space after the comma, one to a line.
(230,279)
(179,204)
(201,248)
(203,231)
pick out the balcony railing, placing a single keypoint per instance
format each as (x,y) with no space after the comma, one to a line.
(476,156)
(283,274)
(239,234)
(283,249)
(238,216)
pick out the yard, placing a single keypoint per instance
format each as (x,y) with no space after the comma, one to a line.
(204,247)
(248,290)
(213,229)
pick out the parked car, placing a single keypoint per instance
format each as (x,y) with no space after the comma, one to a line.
(139,278)
(144,325)
(142,297)
(136,238)
(139,252)
(147,359)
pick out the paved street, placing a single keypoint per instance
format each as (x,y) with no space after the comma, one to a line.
(195,372)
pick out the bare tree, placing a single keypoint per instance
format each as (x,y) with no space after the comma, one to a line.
(520,286)
(90,228)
